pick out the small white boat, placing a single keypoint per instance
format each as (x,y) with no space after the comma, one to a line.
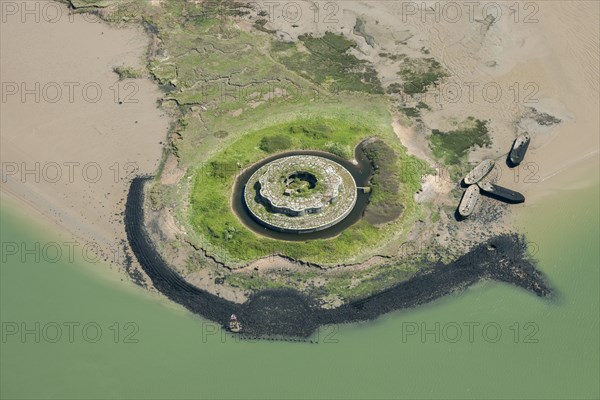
(234,324)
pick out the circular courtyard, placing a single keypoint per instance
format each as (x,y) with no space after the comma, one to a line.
(300,193)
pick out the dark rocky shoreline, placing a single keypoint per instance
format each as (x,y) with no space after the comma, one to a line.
(290,314)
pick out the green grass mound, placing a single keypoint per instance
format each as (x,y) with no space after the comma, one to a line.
(212,218)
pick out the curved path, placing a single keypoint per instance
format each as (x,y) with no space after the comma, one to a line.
(288,313)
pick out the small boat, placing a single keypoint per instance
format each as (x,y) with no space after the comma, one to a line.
(479,172)
(468,201)
(234,324)
(502,193)
(519,148)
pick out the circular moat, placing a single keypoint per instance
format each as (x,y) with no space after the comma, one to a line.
(304,195)
(300,193)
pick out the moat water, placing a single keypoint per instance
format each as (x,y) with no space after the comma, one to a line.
(492,341)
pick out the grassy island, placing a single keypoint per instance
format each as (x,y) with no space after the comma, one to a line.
(239,93)
(212,218)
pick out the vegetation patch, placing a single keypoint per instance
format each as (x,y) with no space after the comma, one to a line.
(418,74)
(452,147)
(212,218)
(275,143)
(162,195)
(387,201)
(326,60)
(214,75)
(279,46)
(411,112)
(423,106)
(340,150)
(221,134)
(260,23)
(393,57)
(127,72)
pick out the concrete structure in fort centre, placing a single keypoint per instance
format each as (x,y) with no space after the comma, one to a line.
(300,193)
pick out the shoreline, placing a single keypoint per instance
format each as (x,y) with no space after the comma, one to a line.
(286,314)
(57,140)
(70,209)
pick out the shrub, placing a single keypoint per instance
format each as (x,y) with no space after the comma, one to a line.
(273,143)
(339,149)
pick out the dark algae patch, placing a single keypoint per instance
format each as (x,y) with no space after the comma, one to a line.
(386,204)
(411,112)
(286,313)
(127,72)
(419,74)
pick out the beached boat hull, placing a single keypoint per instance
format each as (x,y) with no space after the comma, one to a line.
(519,148)
(469,201)
(479,172)
(502,193)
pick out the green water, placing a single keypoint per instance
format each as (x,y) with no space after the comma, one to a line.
(177,355)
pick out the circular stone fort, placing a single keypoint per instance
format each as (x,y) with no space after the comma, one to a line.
(300,193)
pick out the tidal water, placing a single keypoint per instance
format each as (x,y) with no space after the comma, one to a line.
(74,329)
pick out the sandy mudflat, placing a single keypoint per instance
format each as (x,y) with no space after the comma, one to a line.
(559,55)
(570,157)
(67,140)
(540,54)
